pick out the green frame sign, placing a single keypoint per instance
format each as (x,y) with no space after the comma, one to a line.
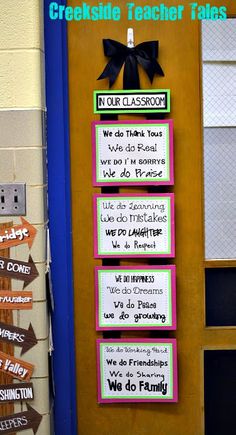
(132,101)
(137,370)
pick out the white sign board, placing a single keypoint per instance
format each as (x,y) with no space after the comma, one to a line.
(134,226)
(137,370)
(132,152)
(135,297)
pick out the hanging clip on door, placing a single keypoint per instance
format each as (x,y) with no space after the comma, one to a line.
(130,38)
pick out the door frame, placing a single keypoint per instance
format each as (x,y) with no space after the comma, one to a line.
(59,204)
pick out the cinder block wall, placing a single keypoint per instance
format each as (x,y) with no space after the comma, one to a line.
(22,159)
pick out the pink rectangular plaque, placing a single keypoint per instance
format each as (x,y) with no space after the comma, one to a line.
(137,370)
(135,298)
(138,225)
(132,153)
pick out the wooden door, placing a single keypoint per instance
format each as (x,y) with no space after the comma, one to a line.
(180,58)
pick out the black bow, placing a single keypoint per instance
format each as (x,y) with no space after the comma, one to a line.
(144,54)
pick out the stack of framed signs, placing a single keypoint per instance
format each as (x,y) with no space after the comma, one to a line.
(134,296)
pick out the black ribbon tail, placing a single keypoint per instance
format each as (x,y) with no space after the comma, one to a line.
(147,65)
(112,70)
(131,76)
(157,68)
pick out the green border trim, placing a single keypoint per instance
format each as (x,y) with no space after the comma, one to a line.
(138,91)
(137,325)
(139,198)
(135,180)
(170,345)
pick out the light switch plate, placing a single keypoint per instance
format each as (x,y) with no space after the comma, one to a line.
(12,199)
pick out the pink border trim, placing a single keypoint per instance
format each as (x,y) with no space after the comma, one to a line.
(135,328)
(134,183)
(142,255)
(139,340)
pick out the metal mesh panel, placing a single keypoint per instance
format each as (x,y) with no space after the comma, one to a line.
(219,90)
(220,192)
(218,42)
(219,110)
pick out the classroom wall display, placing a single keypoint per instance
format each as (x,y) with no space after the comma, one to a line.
(16,300)
(138,225)
(20,270)
(16,368)
(137,370)
(132,101)
(11,236)
(24,338)
(16,392)
(29,419)
(133,297)
(18,235)
(132,153)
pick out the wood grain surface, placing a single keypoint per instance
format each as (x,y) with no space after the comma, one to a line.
(7,317)
(179,56)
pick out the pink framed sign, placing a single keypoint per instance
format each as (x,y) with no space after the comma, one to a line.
(138,225)
(132,153)
(137,370)
(135,298)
